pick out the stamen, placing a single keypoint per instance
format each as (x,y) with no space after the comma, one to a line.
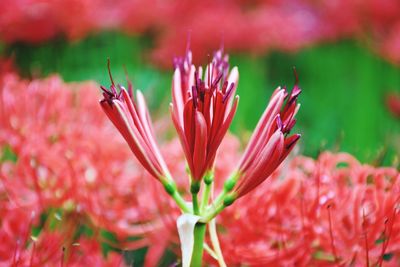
(331,234)
(106,91)
(109,71)
(194,96)
(216,81)
(296,77)
(228,93)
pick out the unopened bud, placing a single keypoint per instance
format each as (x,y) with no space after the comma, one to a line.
(170,187)
(228,200)
(209,178)
(195,187)
(229,184)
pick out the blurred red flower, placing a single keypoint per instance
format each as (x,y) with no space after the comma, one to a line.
(256,26)
(393,104)
(63,154)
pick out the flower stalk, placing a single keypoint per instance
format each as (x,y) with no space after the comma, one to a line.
(202,110)
(198,247)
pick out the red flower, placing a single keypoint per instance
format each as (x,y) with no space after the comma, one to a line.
(202,110)
(393,104)
(132,119)
(269,144)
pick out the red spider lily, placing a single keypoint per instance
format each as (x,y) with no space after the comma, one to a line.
(202,110)
(50,127)
(300,23)
(285,221)
(132,119)
(393,104)
(270,143)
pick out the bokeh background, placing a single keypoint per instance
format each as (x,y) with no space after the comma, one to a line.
(346,52)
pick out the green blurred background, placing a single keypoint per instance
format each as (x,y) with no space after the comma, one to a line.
(343,84)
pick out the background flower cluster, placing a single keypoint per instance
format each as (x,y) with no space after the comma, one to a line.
(282,25)
(72,194)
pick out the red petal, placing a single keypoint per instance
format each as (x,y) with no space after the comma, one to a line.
(189,125)
(262,166)
(200,146)
(182,138)
(136,143)
(216,141)
(263,129)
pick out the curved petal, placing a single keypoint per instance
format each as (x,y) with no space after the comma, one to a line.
(200,146)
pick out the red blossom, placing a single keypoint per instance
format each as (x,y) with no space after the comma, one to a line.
(132,119)
(269,25)
(270,143)
(202,109)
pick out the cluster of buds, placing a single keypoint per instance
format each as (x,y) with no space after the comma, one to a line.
(203,106)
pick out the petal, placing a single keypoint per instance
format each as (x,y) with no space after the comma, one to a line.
(218,114)
(200,146)
(177,95)
(262,166)
(182,138)
(289,144)
(116,114)
(260,134)
(233,78)
(188,123)
(148,130)
(216,141)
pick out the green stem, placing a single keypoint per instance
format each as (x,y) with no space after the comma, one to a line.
(170,188)
(205,197)
(220,198)
(196,209)
(211,214)
(228,187)
(194,189)
(197,256)
(180,202)
(212,230)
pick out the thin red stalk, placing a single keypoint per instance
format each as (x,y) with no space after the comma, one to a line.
(386,239)
(122,258)
(302,205)
(331,234)
(62,257)
(366,240)
(32,254)
(109,71)
(14,263)
(37,186)
(383,244)
(281,230)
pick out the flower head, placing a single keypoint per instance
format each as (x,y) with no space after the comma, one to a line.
(132,119)
(203,109)
(270,143)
